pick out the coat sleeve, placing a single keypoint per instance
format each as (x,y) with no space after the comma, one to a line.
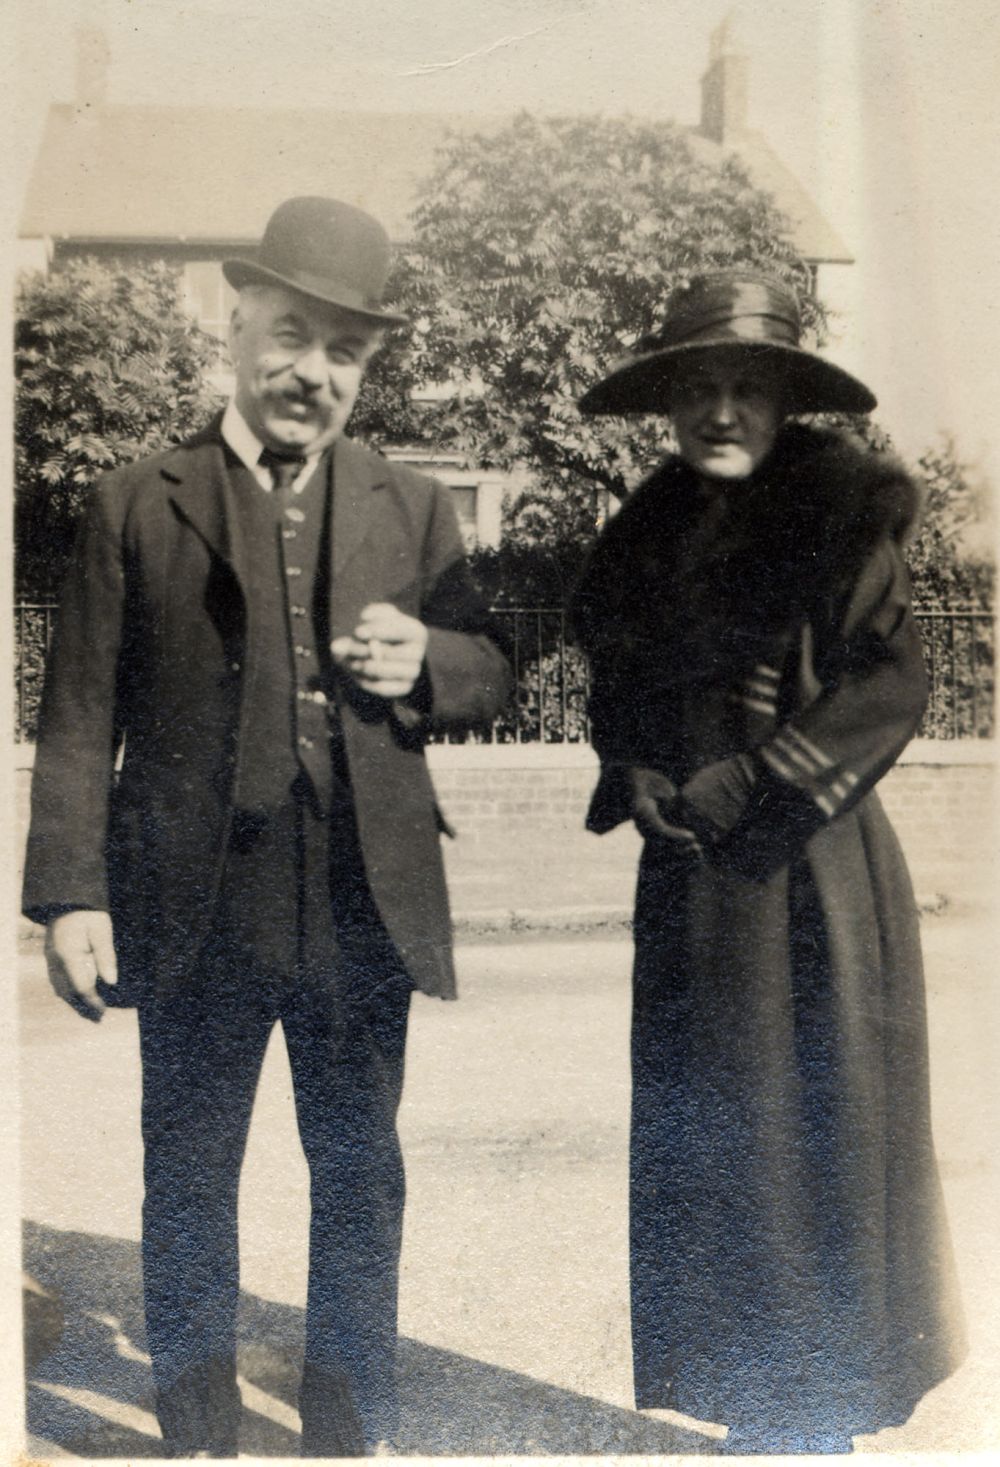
(466,678)
(74,759)
(607,635)
(757,813)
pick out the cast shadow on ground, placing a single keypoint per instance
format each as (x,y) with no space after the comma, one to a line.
(89,1388)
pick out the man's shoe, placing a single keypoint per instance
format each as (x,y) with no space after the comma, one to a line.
(331,1426)
(199,1413)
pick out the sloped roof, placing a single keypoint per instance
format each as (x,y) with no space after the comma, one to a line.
(815,237)
(206,174)
(210,175)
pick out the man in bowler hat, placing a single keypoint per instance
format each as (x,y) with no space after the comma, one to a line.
(258,630)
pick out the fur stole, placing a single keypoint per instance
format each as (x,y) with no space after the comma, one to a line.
(704,575)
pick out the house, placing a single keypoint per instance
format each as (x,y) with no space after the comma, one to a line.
(174,183)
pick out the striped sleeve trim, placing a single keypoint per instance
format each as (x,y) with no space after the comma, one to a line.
(802,763)
(758,691)
(809,748)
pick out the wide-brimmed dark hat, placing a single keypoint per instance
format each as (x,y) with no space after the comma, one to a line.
(744,308)
(325,249)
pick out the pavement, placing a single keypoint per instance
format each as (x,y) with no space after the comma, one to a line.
(556,880)
(564,880)
(514,1314)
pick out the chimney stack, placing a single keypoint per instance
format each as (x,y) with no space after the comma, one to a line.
(93,61)
(724,85)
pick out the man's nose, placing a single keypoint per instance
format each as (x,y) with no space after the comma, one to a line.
(311,367)
(723,408)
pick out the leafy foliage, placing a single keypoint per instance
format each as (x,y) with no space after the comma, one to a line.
(542,252)
(388,409)
(108,368)
(946,569)
(954,584)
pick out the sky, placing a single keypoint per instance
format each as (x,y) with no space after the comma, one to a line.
(885,109)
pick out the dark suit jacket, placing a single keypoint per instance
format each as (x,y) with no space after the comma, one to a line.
(149,649)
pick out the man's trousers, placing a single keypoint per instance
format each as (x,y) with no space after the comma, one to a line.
(345,1028)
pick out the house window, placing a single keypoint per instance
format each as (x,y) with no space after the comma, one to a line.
(208,296)
(477,497)
(464,497)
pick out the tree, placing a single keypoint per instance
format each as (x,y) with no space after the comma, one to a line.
(388,409)
(949,568)
(108,367)
(541,253)
(954,576)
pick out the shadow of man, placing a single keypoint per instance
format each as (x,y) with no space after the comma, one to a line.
(90,1388)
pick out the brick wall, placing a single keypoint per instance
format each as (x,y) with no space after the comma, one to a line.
(526,798)
(940,797)
(946,819)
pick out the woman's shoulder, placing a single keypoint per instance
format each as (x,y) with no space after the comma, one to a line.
(866,493)
(662,497)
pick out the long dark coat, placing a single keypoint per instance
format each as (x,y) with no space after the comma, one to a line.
(789,1249)
(150,649)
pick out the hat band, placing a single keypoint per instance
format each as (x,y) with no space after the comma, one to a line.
(752,310)
(774,329)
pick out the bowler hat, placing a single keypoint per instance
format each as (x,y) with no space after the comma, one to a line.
(744,308)
(324,249)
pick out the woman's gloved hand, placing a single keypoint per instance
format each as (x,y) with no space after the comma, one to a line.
(653,799)
(715,799)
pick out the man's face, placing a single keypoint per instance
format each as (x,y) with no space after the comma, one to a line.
(299,364)
(726,410)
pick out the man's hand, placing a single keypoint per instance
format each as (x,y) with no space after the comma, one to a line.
(652,795)
(79,949)
(386,652)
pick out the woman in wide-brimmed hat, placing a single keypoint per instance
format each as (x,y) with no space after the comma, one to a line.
(755,671)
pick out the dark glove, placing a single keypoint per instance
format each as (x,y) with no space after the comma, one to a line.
(748,820)
(653,798)
(714,800)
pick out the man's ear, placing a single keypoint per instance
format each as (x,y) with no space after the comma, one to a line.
(232,335)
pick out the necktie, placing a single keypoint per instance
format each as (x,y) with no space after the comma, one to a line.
(284,468)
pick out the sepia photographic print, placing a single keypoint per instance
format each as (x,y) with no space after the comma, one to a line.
(501,501)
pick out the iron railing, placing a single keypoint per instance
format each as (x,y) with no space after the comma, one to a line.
(959,653)
(33,625)
(550,705)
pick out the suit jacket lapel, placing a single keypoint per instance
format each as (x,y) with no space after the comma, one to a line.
(355,475)
(204,494)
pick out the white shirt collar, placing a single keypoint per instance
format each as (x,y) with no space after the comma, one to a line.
(248,448)
(244,443)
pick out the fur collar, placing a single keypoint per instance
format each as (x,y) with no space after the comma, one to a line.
(818,477)
(707,575)
(799,527)
(835,482)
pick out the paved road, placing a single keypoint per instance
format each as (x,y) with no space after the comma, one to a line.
(513,1303)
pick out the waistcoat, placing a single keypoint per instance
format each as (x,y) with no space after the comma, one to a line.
(288,708)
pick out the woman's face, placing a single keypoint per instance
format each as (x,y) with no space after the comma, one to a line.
(726,411)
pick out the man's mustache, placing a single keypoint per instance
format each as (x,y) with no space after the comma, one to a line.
(305,398)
